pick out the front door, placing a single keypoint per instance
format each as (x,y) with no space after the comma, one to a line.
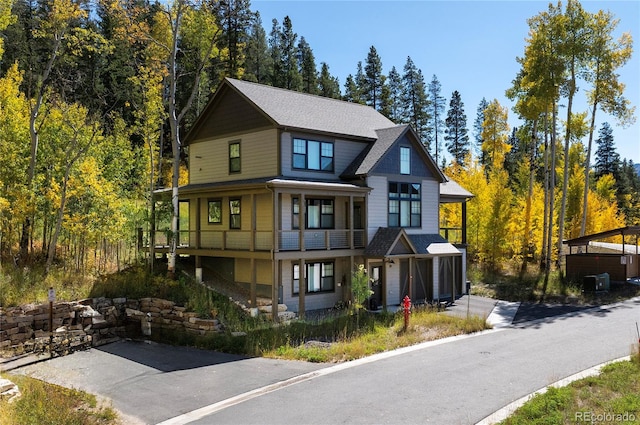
(377,286)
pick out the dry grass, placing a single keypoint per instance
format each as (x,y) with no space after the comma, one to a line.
(43,403)
(424,325)
(611,397)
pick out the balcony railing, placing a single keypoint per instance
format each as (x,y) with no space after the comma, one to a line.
(289,240)
(452,234)
(247,240)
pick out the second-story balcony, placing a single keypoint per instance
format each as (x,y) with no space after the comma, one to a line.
(256,240)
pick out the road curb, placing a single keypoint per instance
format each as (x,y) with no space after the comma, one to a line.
(510,408)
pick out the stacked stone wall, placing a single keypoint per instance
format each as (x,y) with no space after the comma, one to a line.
(92,322)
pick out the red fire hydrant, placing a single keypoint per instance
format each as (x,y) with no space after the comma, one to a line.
(406,306)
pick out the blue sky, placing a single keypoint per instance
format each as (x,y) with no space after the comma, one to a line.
(470,45)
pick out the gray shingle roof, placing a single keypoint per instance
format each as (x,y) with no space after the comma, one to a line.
(308,112)
(422,242)
(450,191)
(382,241)
(370,156)
(385,238)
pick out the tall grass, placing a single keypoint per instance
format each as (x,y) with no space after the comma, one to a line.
(613,395)
(43,403)
(381,332)
(31,284)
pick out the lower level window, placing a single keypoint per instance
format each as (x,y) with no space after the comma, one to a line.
(318,276)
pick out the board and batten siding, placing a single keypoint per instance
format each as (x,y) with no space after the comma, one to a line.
(392,283)
(344,152)
(209,160)
(378,204)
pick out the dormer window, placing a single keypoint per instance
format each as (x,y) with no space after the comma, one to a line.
(405,160)
(312,155)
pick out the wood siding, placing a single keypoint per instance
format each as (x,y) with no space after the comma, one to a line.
(344,152)
(242,271)
(390,163)
(209,160)
(430,209)
(580,265)
(233,116)
(393,283)
(378,204)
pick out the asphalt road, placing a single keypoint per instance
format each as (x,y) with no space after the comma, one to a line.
(458,381)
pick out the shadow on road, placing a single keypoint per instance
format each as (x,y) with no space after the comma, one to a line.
(169,359)
(534,315)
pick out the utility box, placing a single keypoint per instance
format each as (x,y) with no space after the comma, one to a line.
(589,283)
(603,279)
(596,283)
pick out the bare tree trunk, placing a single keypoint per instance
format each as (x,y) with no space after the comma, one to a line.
(552,184)
(587,165)
(543,254)
(526,237)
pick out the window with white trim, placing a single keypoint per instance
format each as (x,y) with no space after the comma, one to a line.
(318,276)
(405,160)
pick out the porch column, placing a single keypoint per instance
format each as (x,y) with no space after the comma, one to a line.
(410,278)
(464,223)
(365,214)
(252,289)
(252,241)
(453,273)
(385,264)
(198,223)
(349,274)
(198,269)
(302,288)
(275,285)
(351,230)
(276,226)
(436,278)
(302,218)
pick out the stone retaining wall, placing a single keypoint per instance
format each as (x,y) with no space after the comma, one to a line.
(92,322)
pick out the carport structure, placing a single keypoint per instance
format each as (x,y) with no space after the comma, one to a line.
(621,261)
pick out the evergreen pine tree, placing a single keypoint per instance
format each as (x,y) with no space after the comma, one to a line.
(275,52)
(456,130)
(438,103)
(374,80)
(352,90)
(395,95)
(607,159)
(477,130)
(328,85)
(308,71)
(257,62)
(288,42)
(415,103)
(234,17)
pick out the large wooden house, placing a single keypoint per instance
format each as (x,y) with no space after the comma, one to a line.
(288,193)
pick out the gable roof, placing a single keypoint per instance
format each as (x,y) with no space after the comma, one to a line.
(387,137)
(292,110)
(386,240)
